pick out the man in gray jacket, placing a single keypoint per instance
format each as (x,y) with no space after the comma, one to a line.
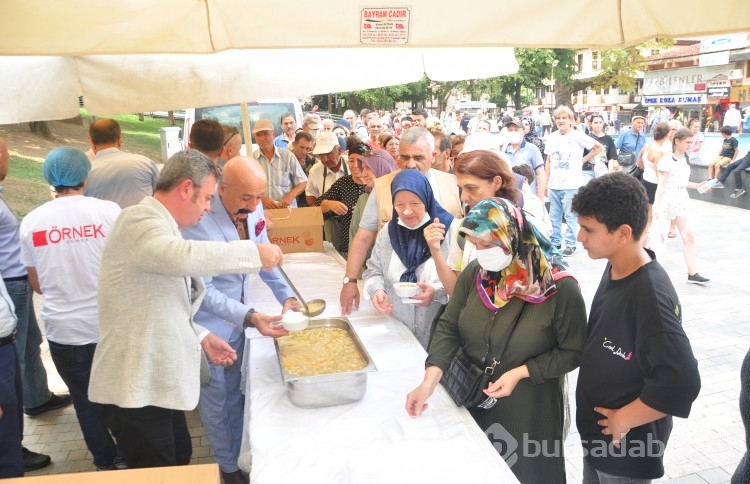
(149,364)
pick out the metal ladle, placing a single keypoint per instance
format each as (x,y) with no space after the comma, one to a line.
(318,305)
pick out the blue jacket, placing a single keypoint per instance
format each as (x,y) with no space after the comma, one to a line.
(629,142)
(221,304)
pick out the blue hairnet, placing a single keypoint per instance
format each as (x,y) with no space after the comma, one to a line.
(66,167)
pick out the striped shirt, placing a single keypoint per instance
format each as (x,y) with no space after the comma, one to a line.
(283,172)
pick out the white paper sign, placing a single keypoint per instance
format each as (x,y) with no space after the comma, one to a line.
(384,26)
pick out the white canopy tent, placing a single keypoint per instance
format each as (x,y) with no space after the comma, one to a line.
(145,55)
(44,88)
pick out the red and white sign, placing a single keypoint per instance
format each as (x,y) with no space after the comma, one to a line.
(381,26)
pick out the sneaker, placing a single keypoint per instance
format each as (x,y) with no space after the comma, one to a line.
(738,193)
(697,279)
(569,251)
(715,183)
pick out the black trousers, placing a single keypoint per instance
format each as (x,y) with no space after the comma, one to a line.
(149,436)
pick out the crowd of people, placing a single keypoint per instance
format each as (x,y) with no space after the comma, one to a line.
(483,224)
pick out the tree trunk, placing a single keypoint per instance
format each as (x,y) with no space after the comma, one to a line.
(170,114)
(41,128)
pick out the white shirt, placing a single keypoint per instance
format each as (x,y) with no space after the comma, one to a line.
(64,239)
(318,183)
(565,152)
(732,117)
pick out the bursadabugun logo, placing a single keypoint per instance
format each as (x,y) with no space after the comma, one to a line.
(503,442)
(508,446)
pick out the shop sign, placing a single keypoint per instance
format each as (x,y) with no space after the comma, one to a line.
(384,26)
(740,94)
(674,100)
(720,92)
(724,42)
(700,87)
(680,81)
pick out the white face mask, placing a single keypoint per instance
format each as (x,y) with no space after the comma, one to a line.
(425,219)
(515,137)
(494,259)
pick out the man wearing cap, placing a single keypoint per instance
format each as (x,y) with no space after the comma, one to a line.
(63,241)
(124,178)
(236,214)
(416,152)
(521,152)
(288,128)
(37,398)
(330,168)
(149,362)
(207,136)
(286,179)
(312,124)
(632,140)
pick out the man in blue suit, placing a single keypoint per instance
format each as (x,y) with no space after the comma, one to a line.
(236,212)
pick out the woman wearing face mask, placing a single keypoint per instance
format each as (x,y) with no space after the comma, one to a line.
(401,254)
(513,277)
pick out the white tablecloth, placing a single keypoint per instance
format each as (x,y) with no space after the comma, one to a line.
(373,440)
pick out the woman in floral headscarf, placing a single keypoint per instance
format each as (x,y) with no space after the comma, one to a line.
(513,277)
(401,254)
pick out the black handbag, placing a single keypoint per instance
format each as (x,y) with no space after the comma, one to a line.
(464,381)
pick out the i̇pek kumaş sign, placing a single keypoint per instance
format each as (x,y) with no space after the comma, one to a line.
(674,100)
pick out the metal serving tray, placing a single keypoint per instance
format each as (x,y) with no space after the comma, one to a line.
(332,388)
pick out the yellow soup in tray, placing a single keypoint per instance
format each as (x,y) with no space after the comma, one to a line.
(319,351)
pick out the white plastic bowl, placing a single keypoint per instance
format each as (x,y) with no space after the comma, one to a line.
(406,289)
(294,321)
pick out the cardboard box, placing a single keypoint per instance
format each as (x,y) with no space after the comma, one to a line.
(297,229)
(195,474)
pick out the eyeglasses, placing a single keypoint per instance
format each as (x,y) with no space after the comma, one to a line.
(235,132)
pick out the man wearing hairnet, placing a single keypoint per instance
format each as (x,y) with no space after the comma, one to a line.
(61,242)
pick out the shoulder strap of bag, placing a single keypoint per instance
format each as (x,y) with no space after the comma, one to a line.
(504,343)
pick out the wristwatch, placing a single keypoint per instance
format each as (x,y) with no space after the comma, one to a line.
(248,322)
(347,280)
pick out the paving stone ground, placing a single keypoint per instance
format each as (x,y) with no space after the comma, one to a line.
(704,448)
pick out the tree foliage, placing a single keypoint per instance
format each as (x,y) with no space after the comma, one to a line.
(537,68)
